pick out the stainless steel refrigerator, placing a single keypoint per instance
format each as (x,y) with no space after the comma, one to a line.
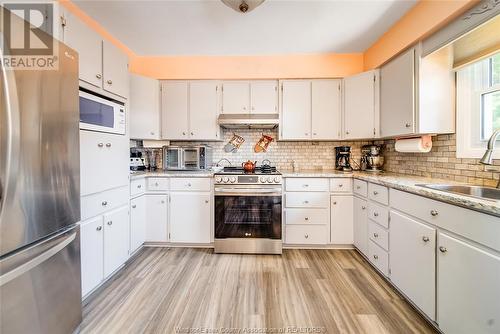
(40,289)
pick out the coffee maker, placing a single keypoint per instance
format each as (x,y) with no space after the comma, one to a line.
(371,158)
(342,158)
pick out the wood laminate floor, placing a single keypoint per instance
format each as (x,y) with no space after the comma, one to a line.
(187,290)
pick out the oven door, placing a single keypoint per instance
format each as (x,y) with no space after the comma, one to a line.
(172,158)
(190,158)
(248,213)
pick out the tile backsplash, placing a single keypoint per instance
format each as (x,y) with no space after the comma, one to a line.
(441,162)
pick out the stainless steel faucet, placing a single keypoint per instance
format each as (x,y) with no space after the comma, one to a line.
(487,158)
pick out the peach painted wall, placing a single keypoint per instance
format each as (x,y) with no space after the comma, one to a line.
(426,17)
(249,67)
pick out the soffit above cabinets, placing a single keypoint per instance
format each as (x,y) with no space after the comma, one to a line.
(204,27)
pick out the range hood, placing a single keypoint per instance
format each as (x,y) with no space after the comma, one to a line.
(249,121)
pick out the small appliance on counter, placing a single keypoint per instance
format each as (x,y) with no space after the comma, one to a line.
(136,160)
(371,158)
(189,157)
(342,158)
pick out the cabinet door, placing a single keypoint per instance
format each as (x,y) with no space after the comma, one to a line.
(156,218)
(296,109)
(413,258)
(326,109)
(235,97)
(360,105)
(397,95)
(91,253)
(190,214)
(341,220)
(203,107)
(361,225)
(174,108)
(116,239)
(468,289)
(137,222)
(264,97)
(115,69)
(99,152)
(144,111)
(88,43)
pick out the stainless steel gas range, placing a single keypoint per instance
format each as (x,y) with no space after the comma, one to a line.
(248,211)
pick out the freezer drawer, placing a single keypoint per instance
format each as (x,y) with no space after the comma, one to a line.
(40,287)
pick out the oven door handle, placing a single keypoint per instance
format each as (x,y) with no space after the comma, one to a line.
(247,192)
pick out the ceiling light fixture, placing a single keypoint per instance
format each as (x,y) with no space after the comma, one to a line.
(243,6)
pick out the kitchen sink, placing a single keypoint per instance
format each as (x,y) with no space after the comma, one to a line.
(488,193)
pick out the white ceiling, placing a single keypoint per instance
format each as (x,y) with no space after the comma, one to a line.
(208,27)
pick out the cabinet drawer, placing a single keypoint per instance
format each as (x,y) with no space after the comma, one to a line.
(378,235)
(307,216)
(307,200)
(158,183)
(379,257)
(137,187)
(341,185)
(361,188)
(378,193)
(378,214)
(96,204)
(307,234)
(306,184)
(190,183)
(480,227)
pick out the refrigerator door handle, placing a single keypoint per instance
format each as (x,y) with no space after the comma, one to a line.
(36,261)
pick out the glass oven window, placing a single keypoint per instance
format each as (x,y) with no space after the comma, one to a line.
(92,112)
(173,157)
(190,158)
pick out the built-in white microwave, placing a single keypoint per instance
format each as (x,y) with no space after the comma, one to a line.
(99,113)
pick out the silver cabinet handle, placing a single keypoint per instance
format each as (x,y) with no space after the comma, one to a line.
(341,185)
(363,208)
(375,214)
(110,223)
(100,145)
(375,193)
(192,133)
(306,202)
(248,234)
(442,249)
(306,218)
(139,186)
(109,82)
(134,206)
(306,236)
(407,125)
(98,228)
(206,201)
(156,184)
(188,184)
(108,145)
(104,203)
(347,132)
(434,213)
(98,76)
(162,202)
(334,203)
(183,133)
(425,239)
(375,235)
(375,257)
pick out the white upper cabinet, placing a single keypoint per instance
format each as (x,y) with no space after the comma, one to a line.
(203,110)
(235,97)
(88,43)
(361,105)
(174,107)
(417,94)
(264,97)
(115,69)
(325,109)
(296,109)
(144,110)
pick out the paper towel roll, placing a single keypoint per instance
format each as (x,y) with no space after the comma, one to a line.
(414,145)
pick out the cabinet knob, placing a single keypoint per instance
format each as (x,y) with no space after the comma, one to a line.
(162,202)
(407,125)
(307,134)
(315,134)
(139,186)
(157,184)
(347,132)
(434,213)
(375,214)
(306,218)
(104,203)
(375,193)
(109,82)
(206,201)
(100,145)
(442,249)
(183,133)
(189,184)
(375,235)
(134,206)
(98,76)
(306,202)
(334,203)
(375,257)
(363,208)
(248,234)
(110,223)
(358,187)
(306,236)
(192,133)
(152,133)
(98,228)
(305,185)
(341,185)
(108,145)
(425,239)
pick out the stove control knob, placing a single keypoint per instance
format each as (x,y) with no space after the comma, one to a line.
(225,179)
(263,179)
(218,179)
(277,179)
(232,179)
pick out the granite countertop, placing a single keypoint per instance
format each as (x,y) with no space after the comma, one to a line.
(169,173)
(409,183)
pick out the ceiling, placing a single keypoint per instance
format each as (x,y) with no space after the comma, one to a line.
(208,27)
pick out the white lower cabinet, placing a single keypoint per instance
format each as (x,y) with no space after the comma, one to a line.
(307,234)
(91,253)
(137,222)
(156,218)
(116,239)
(413,258)
(190,214)
(468,288)
(341,220)
(360,222)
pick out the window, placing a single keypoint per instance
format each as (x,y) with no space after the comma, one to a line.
(478,106)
